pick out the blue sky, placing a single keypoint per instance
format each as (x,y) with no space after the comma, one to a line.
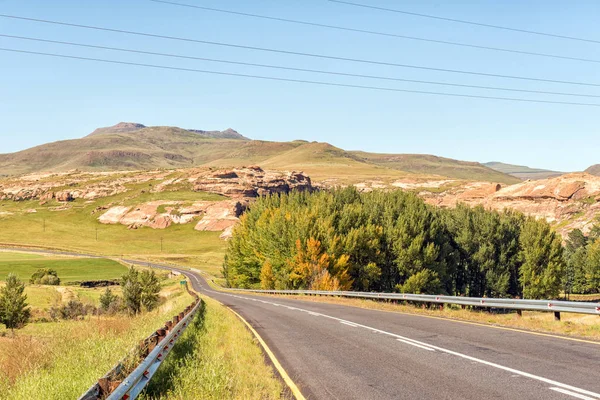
(46,99)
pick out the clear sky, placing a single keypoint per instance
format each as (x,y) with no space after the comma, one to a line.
(46,99)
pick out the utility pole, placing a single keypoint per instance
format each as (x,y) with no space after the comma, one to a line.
(96,234)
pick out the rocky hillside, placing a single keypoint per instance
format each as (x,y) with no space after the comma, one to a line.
(213,198)
(594,170)
(568,201)
(522,172)
(153,199)
(133,146)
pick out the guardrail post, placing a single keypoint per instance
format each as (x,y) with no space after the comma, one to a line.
(519,313)
(556,316)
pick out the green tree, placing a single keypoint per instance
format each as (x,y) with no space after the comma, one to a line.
(132,291)
(150,289)
(543,264)
(591,269)
(423,282)
(107,299)
(14,312)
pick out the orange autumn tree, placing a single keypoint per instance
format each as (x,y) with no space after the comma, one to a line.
(314,269)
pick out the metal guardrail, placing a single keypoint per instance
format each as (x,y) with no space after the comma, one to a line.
(555,306)
(158,345)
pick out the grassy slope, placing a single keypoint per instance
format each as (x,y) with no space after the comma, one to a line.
(521,171)
(76,229)
(428,164)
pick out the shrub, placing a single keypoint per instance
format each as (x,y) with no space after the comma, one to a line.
(73,310)
(109,302)
(45,276)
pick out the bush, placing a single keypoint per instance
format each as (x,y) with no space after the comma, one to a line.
(45,276)
(109,302)
(423,282)
(73,310)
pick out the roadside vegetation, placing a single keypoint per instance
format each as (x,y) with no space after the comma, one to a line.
(211,361)
(392,241)
(62,359)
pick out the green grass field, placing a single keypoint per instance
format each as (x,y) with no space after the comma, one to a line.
(69,269)
(76,228)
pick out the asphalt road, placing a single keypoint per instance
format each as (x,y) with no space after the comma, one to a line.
(340,352)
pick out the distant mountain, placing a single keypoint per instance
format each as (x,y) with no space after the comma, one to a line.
(133,146)
(523,172)
(423,163)
(594,170)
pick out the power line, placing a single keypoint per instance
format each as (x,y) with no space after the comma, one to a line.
(280,67)
(272,78)
(297,53)
(462,21)
(342,28)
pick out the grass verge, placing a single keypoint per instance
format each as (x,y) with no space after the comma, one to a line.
(216,358)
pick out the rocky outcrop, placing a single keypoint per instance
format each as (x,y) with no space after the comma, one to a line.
(569,201)
(251,182)
(213,215)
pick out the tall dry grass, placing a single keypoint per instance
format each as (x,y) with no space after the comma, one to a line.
(61,360)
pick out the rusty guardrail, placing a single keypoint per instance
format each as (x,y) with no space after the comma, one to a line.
(126,381)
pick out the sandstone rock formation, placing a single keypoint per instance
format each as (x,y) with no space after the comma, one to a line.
(570,201)
(251,182)
(214,215)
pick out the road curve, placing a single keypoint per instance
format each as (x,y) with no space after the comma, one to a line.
(340,352)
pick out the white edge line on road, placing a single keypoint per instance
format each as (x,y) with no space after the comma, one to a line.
(415,344)
(563,386)
(349,324)
(576,395)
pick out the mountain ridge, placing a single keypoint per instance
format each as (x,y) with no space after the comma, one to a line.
(134,146)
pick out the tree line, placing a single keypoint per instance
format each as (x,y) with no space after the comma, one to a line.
(394,241)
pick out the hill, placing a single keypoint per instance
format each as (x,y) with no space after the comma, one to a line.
(428,164)
(522,172)
(594,170)
(133,146)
